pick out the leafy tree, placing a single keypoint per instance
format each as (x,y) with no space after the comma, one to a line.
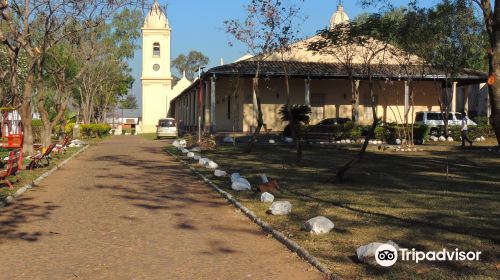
(129,102)
(190,63)
(491,20)
(108,76)
(445,38)
(31,28)
(369,36)
(268,27)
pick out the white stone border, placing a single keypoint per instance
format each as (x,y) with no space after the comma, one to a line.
(290,244)
(9,199)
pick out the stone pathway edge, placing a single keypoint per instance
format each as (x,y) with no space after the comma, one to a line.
(11,198)
(290,244)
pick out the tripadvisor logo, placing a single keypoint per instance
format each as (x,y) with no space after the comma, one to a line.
(387,255)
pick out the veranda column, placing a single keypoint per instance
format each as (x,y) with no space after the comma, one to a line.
(186,121)
(183,102)
(255,108)
(195,107)
(188,109)
(181,111)
(213,125)
(193,103)
(307,100)
(454,97)
(407,98)
(207,105)
(465,92)
(176,108)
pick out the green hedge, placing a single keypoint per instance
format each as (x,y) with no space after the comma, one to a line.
(68,128)
(388,132)
(473,131)
(391,131)
(349,130)
(95,130)
(36,123)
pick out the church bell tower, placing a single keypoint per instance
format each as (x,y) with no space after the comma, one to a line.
(156,76)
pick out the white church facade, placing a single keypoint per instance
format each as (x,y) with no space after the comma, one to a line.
(156,79)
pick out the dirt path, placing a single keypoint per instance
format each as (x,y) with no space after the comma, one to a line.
(125,210)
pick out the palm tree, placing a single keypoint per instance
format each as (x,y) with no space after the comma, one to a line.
(300,114)
(297,116)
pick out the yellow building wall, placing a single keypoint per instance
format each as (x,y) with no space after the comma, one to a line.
(390,98)
(154,101)
(156,84)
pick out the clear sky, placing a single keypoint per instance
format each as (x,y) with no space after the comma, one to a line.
(199,25)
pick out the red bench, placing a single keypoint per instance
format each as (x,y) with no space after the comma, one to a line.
(61,148)
(36,161)
(11,168)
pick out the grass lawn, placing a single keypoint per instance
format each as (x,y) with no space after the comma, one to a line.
(404,197)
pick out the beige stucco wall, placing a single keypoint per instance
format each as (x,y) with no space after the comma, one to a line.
(390,97)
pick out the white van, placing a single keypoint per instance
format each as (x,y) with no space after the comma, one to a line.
(166,128)
(435,119)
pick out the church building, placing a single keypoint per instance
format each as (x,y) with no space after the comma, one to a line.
(320,81)
(157,91)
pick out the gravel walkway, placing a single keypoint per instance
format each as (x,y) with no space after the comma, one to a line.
(125,210)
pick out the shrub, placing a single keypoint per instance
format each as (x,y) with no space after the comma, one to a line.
(95,129)
(356,132)
(421,132)
(104,129)
(481,121)
(349,130)
(388,132)
(381,132)
(68,129)
(473,131)
(36,122)
(85,130)
(392,131)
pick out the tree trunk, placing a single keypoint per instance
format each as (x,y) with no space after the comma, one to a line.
(343,170)
(355,100)
(291,121)
(447,110)
(494,90)
(260,119)
(492,23)
(26,114)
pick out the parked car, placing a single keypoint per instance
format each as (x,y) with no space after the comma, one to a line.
(166,128)
(334,121)
(435,120)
